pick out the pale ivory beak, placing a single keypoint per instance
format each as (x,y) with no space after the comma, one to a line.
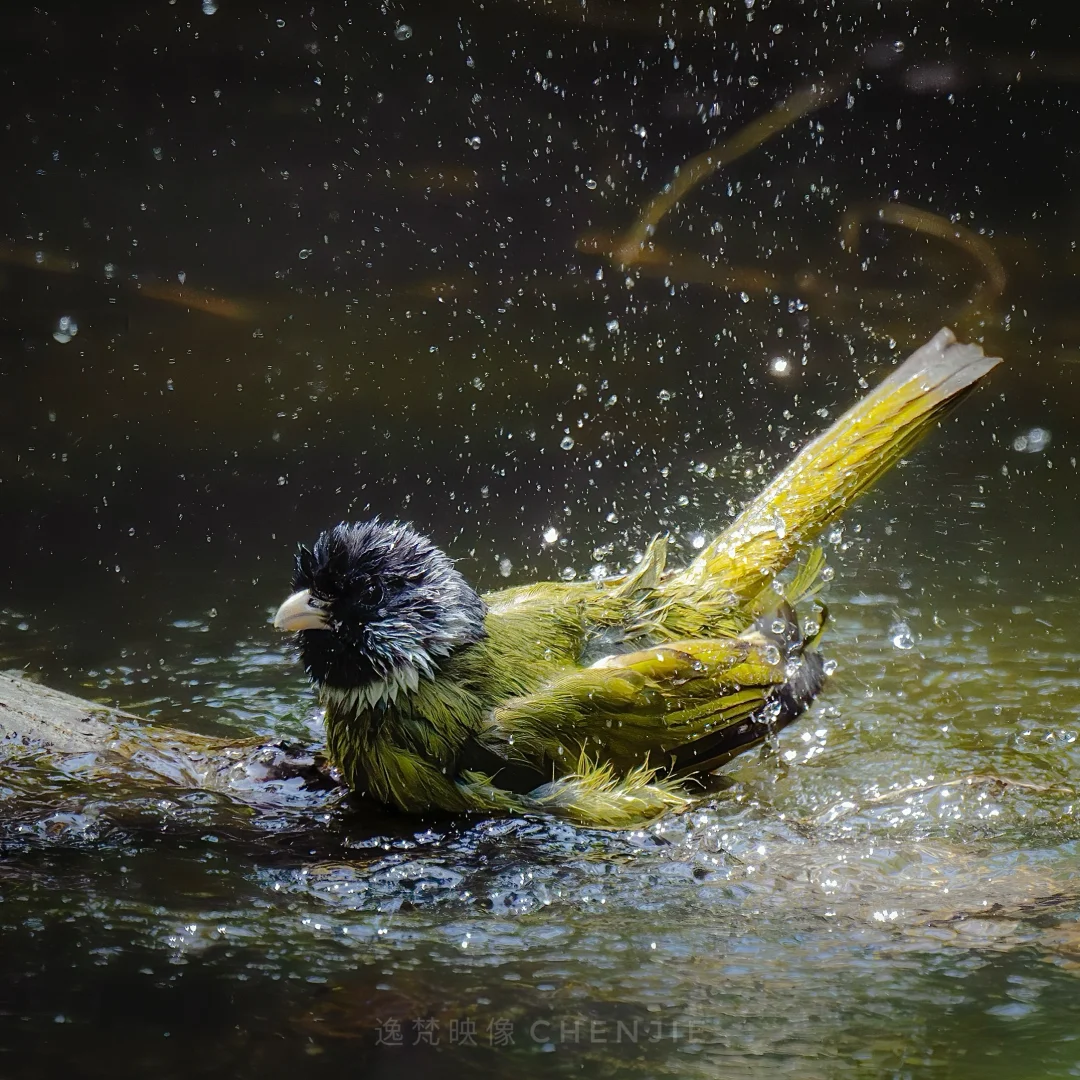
(300,613)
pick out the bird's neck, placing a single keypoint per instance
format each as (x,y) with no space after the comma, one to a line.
(402,681)
(407,729)
(362,726)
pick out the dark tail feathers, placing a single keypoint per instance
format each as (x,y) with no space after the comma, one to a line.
(806,668)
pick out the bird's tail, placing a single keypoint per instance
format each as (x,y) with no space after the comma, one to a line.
(833,470)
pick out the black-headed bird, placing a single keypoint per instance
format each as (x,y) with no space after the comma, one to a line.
(597,701)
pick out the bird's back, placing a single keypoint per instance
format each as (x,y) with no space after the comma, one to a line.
(580,624)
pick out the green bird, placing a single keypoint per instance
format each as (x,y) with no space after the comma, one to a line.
(607,702)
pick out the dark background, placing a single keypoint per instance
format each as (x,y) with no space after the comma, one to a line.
(327,260)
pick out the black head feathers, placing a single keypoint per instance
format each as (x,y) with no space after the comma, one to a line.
(390,606)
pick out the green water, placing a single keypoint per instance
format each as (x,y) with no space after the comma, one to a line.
(890,889)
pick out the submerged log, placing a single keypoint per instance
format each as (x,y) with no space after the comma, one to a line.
(55,723)
(35,715)
(74,767)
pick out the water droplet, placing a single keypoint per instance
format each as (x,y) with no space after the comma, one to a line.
(157,152)
(898,46)
(752,80)
(567,443)
(697,541)
(403,31)
(550,534)
(505,567)
(835,535)
(665,395)
(110,271)
(599,572)
(779,366)
(827,573)
(66,329)
(1034,441)
(305,253)
(901,637)
(683,500)
(829,667)
(181,277)
(771,654)
(568,573)
(209,7)
(473,142)
(613,326)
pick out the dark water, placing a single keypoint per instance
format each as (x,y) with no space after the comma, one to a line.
(322,265)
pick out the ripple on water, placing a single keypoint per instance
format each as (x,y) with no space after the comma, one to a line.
(916,866)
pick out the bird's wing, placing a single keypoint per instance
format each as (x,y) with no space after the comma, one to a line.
(683,706)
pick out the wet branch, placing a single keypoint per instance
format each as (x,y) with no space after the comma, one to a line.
(58,749)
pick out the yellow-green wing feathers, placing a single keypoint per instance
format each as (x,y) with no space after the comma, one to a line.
(639,708)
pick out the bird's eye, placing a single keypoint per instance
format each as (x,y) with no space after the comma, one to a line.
(370,593)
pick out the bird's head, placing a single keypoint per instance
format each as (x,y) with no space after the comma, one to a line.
(376,607)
